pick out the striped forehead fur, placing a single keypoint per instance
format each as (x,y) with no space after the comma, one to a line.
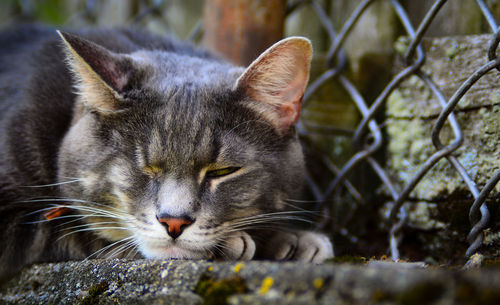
(198,73)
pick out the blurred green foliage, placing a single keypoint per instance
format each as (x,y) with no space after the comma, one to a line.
(49,11)
(45,11)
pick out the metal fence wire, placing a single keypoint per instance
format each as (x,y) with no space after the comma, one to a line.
(368,137)
(366,146)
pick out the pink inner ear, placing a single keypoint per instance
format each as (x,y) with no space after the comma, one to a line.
(292,99)
(277,79)
(111,74)
(290,114)
(108,65)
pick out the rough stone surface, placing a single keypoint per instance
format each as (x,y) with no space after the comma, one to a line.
(441,201)
(412,110)
(178,282)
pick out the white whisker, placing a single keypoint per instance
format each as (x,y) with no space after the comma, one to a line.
(71,200)
(266,219)
(120,249)
(299,209)
(76,217)
(98,252)
(133,251)
(93,229)
(91,224)
(302,201)
(51,184)
(276,213)
(58,218)
(273,219)
(98,211)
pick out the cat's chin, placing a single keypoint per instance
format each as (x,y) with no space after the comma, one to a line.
(169,252)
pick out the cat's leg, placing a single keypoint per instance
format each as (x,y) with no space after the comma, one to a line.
(297,245)
(238,246)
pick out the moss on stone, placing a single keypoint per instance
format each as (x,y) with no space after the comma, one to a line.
(351,259)
(495,263)
(94,292)
(453,50)
(422,293)
(410,146)
(216,291)
(380,295)
(468,293)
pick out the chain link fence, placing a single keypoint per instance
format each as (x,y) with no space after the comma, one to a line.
(368,140)
(368,136)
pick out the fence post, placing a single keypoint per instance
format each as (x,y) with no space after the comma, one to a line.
(241,29)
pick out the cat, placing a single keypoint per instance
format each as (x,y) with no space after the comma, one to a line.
(121,143)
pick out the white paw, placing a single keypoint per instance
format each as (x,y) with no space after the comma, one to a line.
(299,245)
(238,246)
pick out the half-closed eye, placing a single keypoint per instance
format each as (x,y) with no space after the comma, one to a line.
(221,172)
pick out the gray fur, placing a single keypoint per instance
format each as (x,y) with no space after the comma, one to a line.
(169,111)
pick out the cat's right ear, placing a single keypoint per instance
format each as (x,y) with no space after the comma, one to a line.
(101,75)
(276,81)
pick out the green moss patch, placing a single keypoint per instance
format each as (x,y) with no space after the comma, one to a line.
(423,293)
(349,259)
(469,293)
(94,292)
(216,291)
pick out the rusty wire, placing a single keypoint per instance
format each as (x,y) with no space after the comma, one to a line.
(479,214)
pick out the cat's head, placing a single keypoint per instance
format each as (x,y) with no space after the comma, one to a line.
(172,152)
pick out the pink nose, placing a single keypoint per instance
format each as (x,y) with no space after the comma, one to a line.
(175,225)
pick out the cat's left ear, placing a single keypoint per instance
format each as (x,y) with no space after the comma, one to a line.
(276,81)
(102,75)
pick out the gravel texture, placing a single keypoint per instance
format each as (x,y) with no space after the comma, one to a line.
(205,282)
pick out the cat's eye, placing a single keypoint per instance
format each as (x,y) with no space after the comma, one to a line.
(221,172)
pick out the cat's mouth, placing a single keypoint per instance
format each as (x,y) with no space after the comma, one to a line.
(173,250)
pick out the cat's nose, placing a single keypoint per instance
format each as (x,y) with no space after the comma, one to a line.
(175,225)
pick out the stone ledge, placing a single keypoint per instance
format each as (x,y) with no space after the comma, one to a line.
(182,282)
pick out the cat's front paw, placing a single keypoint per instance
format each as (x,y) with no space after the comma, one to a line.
(238,246)
(299,245)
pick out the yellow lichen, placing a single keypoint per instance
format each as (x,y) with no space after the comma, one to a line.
(238,267)
(318,283)
(267,283)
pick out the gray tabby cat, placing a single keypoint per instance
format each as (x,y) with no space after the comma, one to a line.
(119,143)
